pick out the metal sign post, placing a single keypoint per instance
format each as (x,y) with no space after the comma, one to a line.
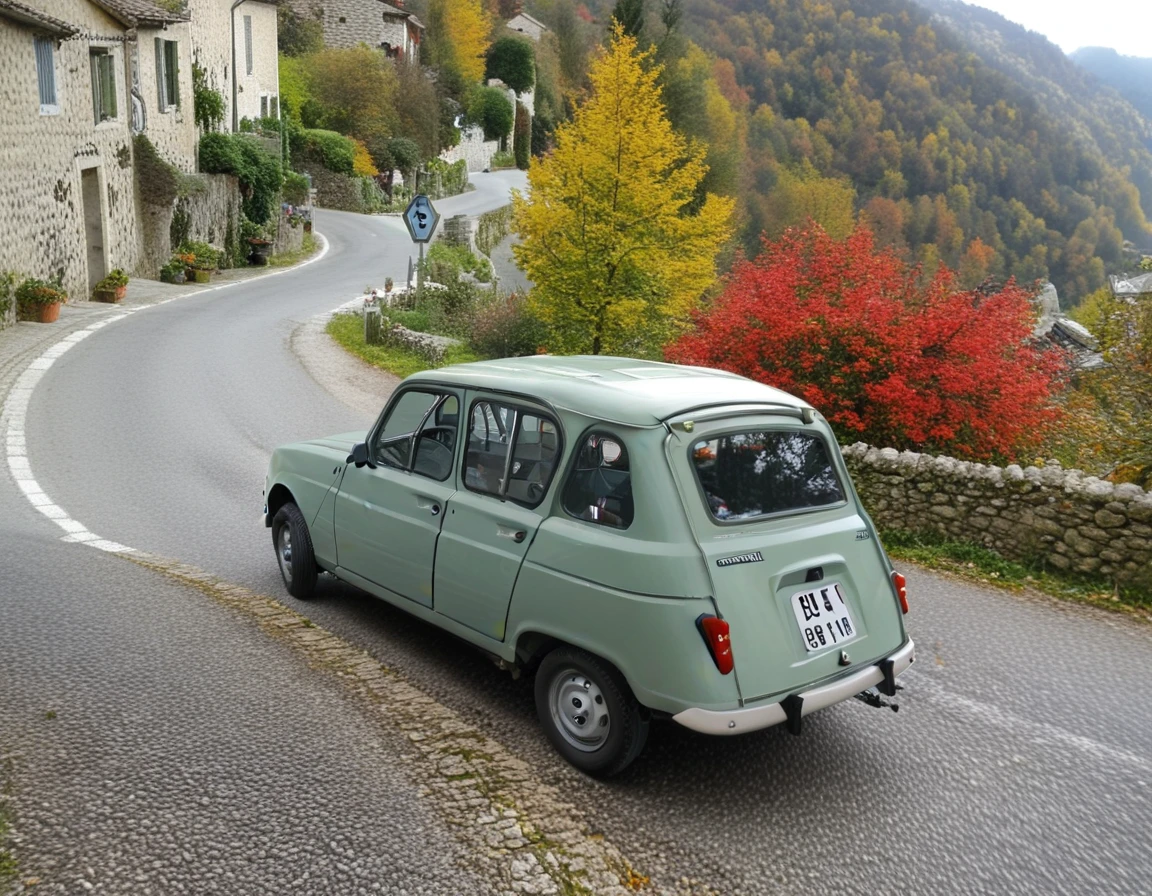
(421,218)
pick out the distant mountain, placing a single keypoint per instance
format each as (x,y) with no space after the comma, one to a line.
(959,137)
(1099,117)
(1130,75)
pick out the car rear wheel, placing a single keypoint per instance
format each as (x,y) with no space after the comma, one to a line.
(294,551)
(588,712)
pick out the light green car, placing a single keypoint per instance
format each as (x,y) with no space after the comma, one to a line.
(655,541)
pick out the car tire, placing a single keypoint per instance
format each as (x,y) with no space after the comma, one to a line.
(294,554)
(588,712)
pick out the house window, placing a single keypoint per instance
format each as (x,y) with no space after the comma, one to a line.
(167,74)
(46,75)
(103,84)
(248,43)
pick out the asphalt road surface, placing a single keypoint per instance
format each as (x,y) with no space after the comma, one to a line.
(1020,760)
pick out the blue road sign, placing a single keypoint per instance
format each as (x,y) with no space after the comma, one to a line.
(421,219)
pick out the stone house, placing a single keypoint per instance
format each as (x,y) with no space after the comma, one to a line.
(80,78)
(383,26)
(234,42)
(526,25)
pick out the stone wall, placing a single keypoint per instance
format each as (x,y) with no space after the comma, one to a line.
(1063,518)
(209,211)
(473,149)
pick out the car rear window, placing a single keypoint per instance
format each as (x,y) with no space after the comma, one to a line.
(752,474)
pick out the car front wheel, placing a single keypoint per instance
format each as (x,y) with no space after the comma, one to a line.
(588,712)
(294,551)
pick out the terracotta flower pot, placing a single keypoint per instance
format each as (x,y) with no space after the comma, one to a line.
(110,295)
(195,275)
(48,314)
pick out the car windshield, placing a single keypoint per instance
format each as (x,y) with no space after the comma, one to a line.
(752,474)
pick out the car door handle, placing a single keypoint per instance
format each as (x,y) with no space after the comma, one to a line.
(517,535)
(429,504)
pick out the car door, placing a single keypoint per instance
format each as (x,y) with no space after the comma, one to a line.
(389,511)
(510,455)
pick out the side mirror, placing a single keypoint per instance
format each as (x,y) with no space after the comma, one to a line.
(360,456)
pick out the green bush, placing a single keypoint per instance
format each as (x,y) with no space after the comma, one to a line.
(405,153)
(513,61)
(334,151)
(207,103)
(204,257)
(490,108)
(447,262)
(257,170)
(295,189)
(503,160)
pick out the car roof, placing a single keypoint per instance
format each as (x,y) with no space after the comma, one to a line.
(622,390)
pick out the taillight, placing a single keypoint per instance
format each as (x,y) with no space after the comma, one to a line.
(901,590)
(715,634)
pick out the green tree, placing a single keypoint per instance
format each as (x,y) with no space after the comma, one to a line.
(513,61)
(629,15)
(490,108)
(618,260)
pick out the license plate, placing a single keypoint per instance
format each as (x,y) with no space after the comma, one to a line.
(823,617)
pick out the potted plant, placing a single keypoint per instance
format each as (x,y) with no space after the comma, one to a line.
(173,271)
(261,248)
(38,300)
(112,288)
(203,261)
(387,284)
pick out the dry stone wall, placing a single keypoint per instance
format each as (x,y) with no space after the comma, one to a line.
(1064,518)
(208,212)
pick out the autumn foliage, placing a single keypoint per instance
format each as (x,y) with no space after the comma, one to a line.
(887,360)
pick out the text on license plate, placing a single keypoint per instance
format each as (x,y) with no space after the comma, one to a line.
(823,617)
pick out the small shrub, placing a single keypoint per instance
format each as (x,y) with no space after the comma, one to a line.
(334,151)
(207,103)
(503,327)
(295,189)
(114,280)
(503,159)
(204,257)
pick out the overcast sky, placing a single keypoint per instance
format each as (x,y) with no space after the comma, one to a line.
(1123,25)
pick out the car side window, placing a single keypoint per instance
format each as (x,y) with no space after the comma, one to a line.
(419,434)
(496,430)
(599,488)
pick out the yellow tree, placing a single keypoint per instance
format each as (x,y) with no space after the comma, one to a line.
(609,237)
(460,30)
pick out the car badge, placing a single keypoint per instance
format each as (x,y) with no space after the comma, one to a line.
(754,557)
(863,534)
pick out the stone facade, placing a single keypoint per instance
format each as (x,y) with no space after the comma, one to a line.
(220,47)
(67,193)
(170,126)
(380,25)
(1063,518)
(525,24)
(473,149)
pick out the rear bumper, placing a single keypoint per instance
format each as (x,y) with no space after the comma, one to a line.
(752,718)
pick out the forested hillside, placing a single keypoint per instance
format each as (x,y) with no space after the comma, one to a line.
(841,109)
(1130,75)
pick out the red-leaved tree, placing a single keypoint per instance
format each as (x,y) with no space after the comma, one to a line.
(887,360)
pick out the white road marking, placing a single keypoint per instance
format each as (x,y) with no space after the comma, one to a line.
(14,416)
(1038,732)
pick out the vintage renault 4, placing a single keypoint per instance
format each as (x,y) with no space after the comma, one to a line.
(652,540)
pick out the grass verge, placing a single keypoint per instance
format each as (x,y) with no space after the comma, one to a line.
(348,331)
(8,866)
(971,561)
(307,250)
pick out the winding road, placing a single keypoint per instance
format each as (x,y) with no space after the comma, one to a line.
(1020,760)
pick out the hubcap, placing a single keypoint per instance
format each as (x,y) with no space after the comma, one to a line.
(579,710)
(284,553)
